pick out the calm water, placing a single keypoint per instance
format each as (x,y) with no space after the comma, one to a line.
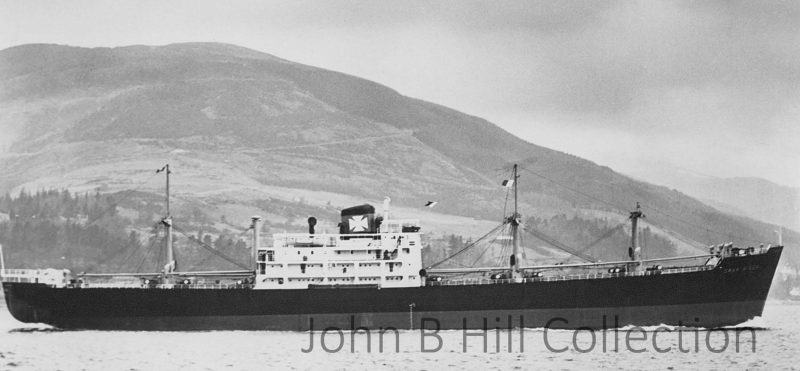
(32,347)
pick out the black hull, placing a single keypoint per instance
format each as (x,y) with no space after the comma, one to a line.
(732,293)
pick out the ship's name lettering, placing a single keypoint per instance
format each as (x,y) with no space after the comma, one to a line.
(744,268)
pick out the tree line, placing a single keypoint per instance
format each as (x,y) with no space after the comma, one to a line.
(85,232)
(60,229)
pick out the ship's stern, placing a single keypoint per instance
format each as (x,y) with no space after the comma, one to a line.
(22,287)
(20,308)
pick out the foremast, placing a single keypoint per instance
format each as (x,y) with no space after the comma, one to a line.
(171,265)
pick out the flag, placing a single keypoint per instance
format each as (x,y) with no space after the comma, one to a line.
(162,169)
(431,204)
(508,183)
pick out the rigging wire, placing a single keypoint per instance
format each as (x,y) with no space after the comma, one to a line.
(117,202)
(213,250)
(505,204)
(485,249)
(117,253)
(99,216)
(572,189)
(147,254)
(161,258)
(239,236)
(678,236)
(459,252)
(697,227)
(200,264)
(505,251)
(133,252)
(128,257)
(555,243)
(594,243)
(488,246)
(649,207)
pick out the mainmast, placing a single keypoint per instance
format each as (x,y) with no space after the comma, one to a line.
(515,222)
(167,221)
(634,251)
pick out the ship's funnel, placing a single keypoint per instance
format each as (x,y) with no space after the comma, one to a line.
(358,219)
(312,221)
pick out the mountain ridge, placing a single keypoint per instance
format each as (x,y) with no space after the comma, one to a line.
(755,197)
(226,115)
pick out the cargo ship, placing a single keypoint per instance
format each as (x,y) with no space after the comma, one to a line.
(370,275)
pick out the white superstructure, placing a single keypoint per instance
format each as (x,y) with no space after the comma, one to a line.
(367,251)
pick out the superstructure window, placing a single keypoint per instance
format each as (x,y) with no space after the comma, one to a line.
(270,256)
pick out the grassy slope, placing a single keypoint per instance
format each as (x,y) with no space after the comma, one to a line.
(242,120)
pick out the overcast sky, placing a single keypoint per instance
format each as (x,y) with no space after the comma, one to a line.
(712,87)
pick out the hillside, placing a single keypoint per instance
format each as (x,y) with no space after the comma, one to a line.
(753,197)
(240,126)
(745,196)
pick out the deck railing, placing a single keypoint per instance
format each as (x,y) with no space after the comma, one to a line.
(166,286)
(568,277)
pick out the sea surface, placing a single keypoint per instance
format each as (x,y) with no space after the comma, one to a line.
(771,342)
